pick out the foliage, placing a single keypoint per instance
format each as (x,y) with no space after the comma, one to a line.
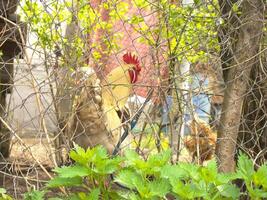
(256,181)
(190,30)
(90,172)
(45,20)
(34,195)
(48,20)
(153,178)
(3,195)
(143,177)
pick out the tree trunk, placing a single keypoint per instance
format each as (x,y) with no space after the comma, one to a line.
(245,50)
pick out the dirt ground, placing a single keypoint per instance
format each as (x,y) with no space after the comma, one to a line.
(29,166)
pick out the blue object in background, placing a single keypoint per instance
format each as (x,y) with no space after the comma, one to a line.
(165,113)
(202,106)
(200,99)
(166,109)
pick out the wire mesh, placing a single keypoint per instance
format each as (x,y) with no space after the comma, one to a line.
(53,74)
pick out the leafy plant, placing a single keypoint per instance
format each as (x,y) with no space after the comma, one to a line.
(191,181)
(255,181)
(3,195)
(153,178)
(143,177)
(48,21)
(90,173)
(184,27)
(34,195)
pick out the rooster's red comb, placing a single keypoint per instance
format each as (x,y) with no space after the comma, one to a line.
(128,58)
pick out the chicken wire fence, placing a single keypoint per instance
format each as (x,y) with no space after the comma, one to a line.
(50,49)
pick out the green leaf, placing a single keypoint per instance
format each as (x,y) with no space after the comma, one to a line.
(73,171)
(257,194)
(2,190)
(108,166)
(229,190)
(136,19)
(159,187)
(209,173)
(141,3)
(60,182)
(235,7)
(159,159)
(134,160)
(97,153)
(90,155)
(75,196)
(131,156)
(94,194)
(133,196)
(173,172)
(34,195)
(124,194)
(191,169)
(5,197)
(245,167)
(212,166)
(130,179)
(186,191)
(79,155)
(197,2)
(260,177)
(223,178)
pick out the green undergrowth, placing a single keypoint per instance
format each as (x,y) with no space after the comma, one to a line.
(154,178)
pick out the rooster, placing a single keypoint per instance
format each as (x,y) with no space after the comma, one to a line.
(202,139)
(99,108)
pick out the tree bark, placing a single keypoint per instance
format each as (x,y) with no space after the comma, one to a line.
(245,52)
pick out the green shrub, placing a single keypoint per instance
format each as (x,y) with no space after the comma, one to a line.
(153,178)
